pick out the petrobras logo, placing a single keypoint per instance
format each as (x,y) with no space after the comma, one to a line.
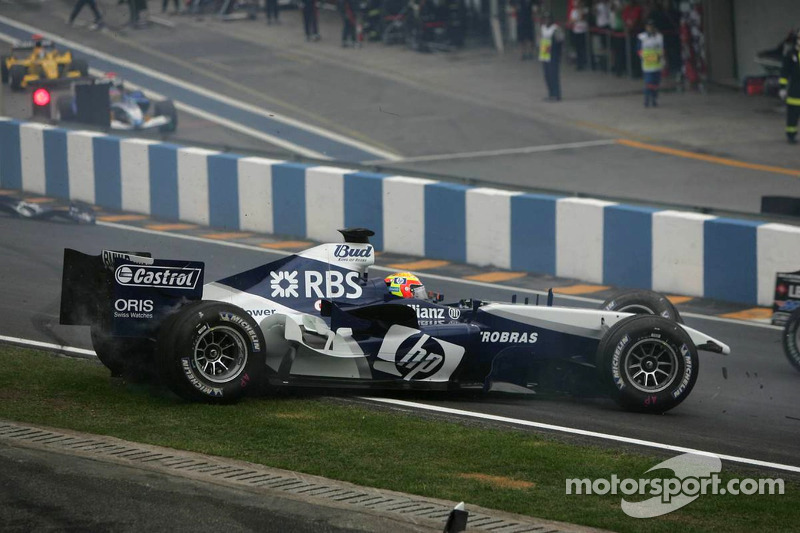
(161,277)
(509,336)
(312,284)
(352,253)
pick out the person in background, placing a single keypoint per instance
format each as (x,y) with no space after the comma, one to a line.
(525,28)
(632,17)
(617,40)
(650,44)
(602,19)
(271,10)
(550,41)
(310,24)
(165,4)
(579,25)
(790,89)
(348,13)
(98,18)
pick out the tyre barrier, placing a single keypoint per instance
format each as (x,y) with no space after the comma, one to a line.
(592,240)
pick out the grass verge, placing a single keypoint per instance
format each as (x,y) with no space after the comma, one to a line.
(510,470)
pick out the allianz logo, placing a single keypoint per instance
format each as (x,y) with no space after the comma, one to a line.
(436,313)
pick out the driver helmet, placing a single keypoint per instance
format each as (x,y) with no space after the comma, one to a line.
(406,285)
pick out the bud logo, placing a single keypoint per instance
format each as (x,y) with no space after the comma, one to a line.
(331,284)
(345,252)
(157,276)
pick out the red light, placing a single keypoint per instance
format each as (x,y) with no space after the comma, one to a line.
(41,97)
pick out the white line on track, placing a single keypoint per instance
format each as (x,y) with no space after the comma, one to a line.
(504,151)
(473,283)
(46,345)
(584,433)
(199,90)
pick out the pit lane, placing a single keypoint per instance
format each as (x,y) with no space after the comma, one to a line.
(743,405)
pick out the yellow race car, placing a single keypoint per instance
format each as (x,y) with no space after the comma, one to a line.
(37,62)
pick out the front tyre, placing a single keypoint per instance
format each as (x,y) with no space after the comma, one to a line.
(647,363)
(16,74)
(4,69)
(791,339)
(642,302)
(167,108)
(211,352)
(81,66)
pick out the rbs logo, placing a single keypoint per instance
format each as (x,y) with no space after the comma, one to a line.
(331,284)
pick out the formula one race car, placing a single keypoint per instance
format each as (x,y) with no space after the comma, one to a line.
(42,65)
(128,109)
(72,211)
(316,318)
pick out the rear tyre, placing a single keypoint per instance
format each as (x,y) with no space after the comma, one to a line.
(15,76)
(167,109)
(648,364)
(80,65)
(65,110)
(211,352)
(642,302)
(3,69)
(791,340)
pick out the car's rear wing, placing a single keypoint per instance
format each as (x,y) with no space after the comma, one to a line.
(126,294)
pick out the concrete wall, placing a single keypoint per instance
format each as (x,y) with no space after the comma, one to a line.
(591,240)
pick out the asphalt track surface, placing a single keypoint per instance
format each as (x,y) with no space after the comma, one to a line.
(745,404)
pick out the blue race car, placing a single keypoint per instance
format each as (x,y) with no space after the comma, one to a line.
(316,318)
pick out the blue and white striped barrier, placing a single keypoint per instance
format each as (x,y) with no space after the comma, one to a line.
(591,240)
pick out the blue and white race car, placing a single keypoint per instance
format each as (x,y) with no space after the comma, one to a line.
(316,318)
(129,109)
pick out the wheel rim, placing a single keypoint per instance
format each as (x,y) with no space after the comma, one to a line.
(638,309)
(220,354)
(651,365)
